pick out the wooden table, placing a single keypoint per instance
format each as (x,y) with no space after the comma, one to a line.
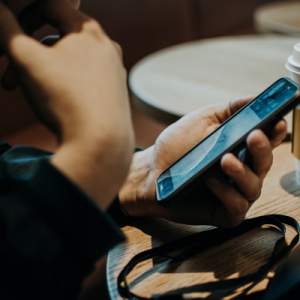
(282,17)
(173,82)
(239,257)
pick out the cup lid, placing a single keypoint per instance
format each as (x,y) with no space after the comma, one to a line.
(292,68)
(292,62)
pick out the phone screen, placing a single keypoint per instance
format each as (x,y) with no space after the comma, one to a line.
(225,136)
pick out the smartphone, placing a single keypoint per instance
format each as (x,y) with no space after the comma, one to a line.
(196,165)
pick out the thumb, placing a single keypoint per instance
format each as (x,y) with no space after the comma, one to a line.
(13,41)
(238,103)
(225,111)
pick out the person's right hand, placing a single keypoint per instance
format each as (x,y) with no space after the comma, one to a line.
(78,89)
(215,201)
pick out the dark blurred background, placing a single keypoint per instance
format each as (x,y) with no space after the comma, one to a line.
(140,27)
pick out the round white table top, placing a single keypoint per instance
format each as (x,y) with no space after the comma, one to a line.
(175,81)
(281,17)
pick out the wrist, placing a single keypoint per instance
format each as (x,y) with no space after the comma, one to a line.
(97,166)
(132,193)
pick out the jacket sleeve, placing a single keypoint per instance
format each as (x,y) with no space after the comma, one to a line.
(51,234)
(18,164)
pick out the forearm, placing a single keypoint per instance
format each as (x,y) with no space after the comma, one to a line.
(98,165)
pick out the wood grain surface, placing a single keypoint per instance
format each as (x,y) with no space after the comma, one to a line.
(241,256)
(173,82)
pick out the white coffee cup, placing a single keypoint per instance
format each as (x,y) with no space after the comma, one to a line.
(293,65)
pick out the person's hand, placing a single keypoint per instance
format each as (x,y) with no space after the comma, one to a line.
(78,89)
(215,202)
(31,19)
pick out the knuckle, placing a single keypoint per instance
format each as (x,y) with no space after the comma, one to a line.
(93,27)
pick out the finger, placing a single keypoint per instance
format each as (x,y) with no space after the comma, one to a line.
(236,206)
(12,37)
(237,104)
(248,183)
(29,14)
(24,30)
(9,80)
(278,133)
(18,6)
(226,111)
(32,18)
(261,151)
(55,12)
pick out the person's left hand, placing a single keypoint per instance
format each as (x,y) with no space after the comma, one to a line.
(31,19)
(215,202)
(78,89)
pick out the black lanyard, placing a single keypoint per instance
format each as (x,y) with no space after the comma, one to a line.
(201,241)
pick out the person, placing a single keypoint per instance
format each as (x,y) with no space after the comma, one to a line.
(54,209)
